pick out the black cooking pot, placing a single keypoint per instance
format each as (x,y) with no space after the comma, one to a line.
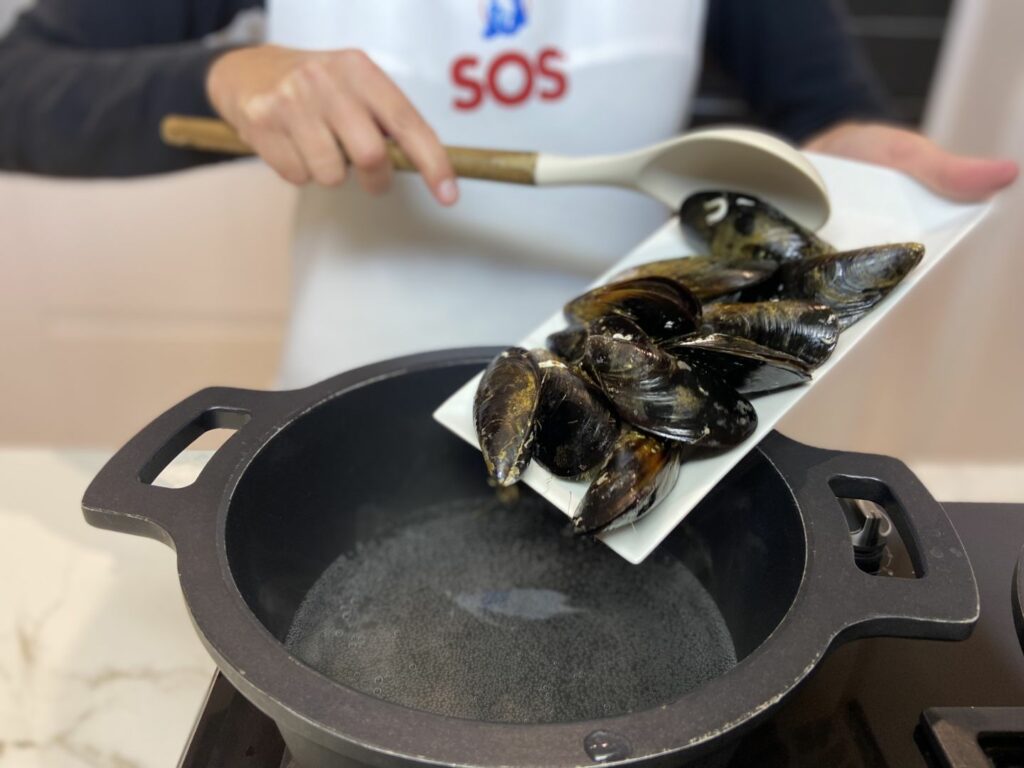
(324,472)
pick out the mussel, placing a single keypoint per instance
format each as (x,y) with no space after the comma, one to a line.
(640,470)
(801,329)
(662,308)
(504,411)
(574,427)
(738,226)
(659,394)
(568,343)
(749,368)
(617,326)
(706,276)
(852,282)
(647,375)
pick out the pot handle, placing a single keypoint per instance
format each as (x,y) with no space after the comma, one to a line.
(122,498)
(942,602)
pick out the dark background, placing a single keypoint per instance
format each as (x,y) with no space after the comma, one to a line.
(901,38)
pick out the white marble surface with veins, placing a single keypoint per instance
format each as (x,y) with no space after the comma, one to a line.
(99,664)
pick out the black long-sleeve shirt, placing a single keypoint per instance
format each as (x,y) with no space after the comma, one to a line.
(84,85)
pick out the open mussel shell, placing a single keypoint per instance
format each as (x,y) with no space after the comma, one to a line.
(662,308)
(638,473)
(664,396)
(504,409)
(852,282)
(806,331)
(574,428)
(749,368)
(706,276)
(739,226)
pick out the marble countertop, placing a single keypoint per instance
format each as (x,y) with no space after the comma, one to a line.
(99,664)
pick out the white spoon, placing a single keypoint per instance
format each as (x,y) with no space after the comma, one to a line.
(712,158)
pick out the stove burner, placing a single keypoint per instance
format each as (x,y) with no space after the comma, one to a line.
(232,733)
(973,737)
(870,528)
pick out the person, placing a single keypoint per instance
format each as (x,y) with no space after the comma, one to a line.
(387,265)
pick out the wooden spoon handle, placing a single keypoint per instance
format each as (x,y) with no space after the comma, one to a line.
(213,135)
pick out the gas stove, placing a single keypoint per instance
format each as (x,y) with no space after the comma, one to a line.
(873,703)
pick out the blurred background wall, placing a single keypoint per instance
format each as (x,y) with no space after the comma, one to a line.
(119,298)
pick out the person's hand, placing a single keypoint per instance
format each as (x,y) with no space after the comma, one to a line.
(957,177)
(306,112)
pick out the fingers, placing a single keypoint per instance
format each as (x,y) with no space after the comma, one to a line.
(360,136)
(308,114)
(301,105)
(406,126)
(264,132)
(957,177)
(960,178)
(365,146)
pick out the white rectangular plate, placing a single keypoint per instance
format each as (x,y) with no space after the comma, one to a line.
(870,205)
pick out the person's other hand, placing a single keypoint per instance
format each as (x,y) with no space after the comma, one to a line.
(957,177)
(306,112)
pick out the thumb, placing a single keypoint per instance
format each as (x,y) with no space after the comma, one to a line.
(958,177)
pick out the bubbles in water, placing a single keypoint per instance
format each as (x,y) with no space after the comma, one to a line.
(482,610)
(605,746)
(530,604)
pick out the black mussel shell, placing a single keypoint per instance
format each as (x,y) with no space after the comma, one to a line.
(640,470)
(659,394)
(739,226)
(503,411)
(568,344)
(706,276)
(800,329)
(749,368)
(574,427)
(662,308)
(852,282)
(617,326)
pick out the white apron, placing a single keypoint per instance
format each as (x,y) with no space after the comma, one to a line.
(380,277)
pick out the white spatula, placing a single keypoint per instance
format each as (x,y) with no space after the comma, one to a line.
(721,158)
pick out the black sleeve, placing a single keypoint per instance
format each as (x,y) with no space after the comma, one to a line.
(795,61)
(85,83)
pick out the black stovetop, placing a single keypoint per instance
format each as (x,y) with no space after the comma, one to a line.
(862,708)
